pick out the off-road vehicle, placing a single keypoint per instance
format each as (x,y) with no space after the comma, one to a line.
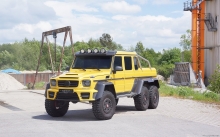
(102,77)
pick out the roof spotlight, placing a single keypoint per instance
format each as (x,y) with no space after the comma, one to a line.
(96,50)
(103,50)
(82,51)
(89,50)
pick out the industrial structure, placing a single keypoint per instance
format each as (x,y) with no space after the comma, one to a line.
(205,36)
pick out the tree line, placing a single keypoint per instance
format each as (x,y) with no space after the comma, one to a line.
(24,55)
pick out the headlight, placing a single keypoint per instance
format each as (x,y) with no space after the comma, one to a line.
(86,83)
(53,82)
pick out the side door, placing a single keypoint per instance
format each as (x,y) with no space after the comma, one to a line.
(129,73)
(118,76)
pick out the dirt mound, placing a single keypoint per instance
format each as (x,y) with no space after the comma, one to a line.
(7,82)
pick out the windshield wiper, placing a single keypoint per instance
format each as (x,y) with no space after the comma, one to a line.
(93,68)
(79,68)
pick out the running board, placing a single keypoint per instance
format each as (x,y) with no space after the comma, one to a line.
(127,95)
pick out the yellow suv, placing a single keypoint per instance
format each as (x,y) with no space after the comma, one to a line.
(102,77)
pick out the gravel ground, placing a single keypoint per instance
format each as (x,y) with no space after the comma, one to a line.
(22,114)
(7,82)
(190,110)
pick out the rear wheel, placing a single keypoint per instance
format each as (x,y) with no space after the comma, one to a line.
(154,97)
(56,108)
(104,108)
(141,101)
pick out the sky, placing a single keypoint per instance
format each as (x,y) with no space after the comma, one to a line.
(158,24)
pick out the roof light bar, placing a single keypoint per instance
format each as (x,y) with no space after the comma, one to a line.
(82,51)
(102,50)
(96,50)
(89,51)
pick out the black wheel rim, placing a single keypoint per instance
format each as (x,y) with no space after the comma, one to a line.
(155,98)
(145,99)
(107,105)
(59,104)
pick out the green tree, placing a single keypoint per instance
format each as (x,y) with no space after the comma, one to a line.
(215,80)
(107,41)
(139,48)
(167,60)
(185,43)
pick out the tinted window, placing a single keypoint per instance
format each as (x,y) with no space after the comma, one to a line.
(118,61)
(92,62)
(128,65)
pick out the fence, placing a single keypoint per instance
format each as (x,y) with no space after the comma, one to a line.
(27,78)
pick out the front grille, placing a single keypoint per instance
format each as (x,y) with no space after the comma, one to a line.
(68,83)
(70,96)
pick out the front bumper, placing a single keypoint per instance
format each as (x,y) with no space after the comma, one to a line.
(74,95)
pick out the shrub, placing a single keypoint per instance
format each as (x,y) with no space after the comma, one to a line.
(211,95)
(165,70)
(215,81)
(182,92)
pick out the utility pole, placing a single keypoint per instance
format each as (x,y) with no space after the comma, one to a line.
(55,36)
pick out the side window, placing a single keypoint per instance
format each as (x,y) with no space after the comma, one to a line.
(128,64)
(136,63)
(118,61)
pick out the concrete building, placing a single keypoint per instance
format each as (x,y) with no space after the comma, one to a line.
(212,37)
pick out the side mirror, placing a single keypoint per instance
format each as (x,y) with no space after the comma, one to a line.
(67,68)
(117,68)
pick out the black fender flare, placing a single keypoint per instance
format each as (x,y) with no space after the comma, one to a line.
(138,83)
(100,86)
(47,87)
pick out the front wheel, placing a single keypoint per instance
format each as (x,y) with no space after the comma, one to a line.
(141,101)
(104,108)
(56,108)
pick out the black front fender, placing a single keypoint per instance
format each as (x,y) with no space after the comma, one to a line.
(47,87)
(100,86)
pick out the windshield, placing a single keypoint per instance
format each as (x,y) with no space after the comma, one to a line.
(92,62)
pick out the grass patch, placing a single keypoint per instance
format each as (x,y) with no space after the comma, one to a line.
(38,85)
(187,92)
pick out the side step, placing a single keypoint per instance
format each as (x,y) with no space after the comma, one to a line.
(130,95)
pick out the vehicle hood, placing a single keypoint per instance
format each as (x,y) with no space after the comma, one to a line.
(85,74)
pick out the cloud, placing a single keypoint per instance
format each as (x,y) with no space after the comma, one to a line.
(120,7)
(159,2)
(21,11)
(30,28)
(154,31)
(141,1)
(67,8)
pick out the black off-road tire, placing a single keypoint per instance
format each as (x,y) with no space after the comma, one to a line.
(53,110)
(141,101)
(104,108)
(154,97)
(116,101)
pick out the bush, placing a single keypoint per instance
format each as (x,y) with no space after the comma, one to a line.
(165,70)
(215,81)
(211,95)
(185,91)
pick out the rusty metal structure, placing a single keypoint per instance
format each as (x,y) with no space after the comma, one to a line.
(54,32)
(184,75)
